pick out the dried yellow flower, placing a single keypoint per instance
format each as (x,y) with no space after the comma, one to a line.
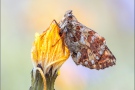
(49,50)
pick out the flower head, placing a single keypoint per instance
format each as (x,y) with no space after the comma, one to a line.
(49,50)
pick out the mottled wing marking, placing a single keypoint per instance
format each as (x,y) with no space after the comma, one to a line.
(93,51)
(87,47)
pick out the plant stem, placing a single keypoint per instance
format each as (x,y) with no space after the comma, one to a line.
(38,84)
(50,81)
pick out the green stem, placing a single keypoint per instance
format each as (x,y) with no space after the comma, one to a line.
(50,81)
(37,83)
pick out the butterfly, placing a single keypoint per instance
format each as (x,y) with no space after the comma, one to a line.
(86,46)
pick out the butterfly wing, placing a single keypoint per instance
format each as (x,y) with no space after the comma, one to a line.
(93,52)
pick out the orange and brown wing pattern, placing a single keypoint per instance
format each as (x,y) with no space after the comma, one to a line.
(92,50)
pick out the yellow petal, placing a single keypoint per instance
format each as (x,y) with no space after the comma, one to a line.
(49,50)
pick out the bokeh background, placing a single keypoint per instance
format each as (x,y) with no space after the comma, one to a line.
(112,19)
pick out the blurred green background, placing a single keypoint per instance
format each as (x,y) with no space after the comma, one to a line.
(112,19)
